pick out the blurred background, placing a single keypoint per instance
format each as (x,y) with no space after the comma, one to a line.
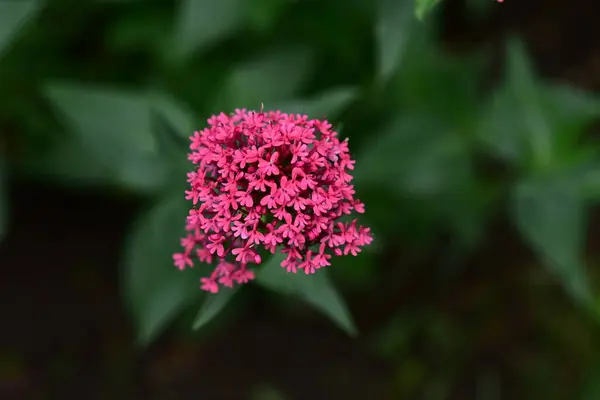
(475,131)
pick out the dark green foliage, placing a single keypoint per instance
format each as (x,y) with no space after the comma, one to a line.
(107,93)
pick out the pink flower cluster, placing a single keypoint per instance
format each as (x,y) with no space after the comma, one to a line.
(268,180)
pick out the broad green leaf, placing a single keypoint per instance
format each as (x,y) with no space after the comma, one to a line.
(394,23)
(416,156)
(433,82)
(424,6)
(201,22)
(13,15)
(527,119)
(551,217)
(213,304)
(178,114)
(323,106)
(114,127)
(155,290)
(172,125)
(524,90)
(274,77)
(564,114)
(315,289)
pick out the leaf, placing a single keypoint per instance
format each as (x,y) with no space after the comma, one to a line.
(528,120)
(416,156)
(201,22)
(325,105)
(315,289)
(274,77)
(433,82)
(172,125)
(550,216)
(114,127)
(13,16)
(178,114)
(213,305)
(155,290)
(424,6)
(395,19)
(522,85)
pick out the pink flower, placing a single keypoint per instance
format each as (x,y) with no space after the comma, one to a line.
(268,181)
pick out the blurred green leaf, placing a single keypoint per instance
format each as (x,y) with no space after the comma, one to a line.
(178,114)
(417,155)
(114,127)
(13,15)
(424,6)
(326,105)
(274,77)
(566,113)
(155,290)
(523,98)
(212,306)
(172,125)
(551,216)
(395,19)
(315,289)
(531,124)
(201,22)
(435,83)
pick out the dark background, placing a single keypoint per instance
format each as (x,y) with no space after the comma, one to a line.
(485,319)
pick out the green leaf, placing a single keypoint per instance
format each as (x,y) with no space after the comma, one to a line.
(416,156)
(527,119)
(202,22)
(315,289)
(395,19)
(424,6)
(524,90)
(172,125)
(114,127)
(155,290)
(551,216)
(533,125)
(213,305)
(13,16)
(274,77)
(178,114)
(326,104)
(433,82)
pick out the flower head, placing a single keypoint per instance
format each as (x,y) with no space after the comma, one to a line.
(268,180)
